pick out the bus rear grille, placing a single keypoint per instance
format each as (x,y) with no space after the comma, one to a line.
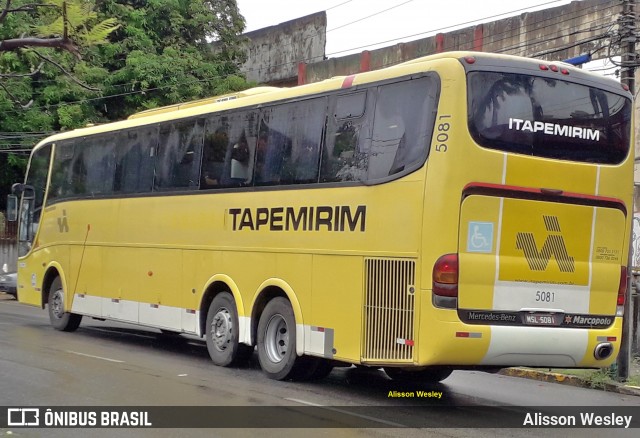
(388,310)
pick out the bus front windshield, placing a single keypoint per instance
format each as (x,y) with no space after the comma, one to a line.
(548,118)
(31,209)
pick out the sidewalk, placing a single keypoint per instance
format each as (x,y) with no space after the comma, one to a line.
(595,379)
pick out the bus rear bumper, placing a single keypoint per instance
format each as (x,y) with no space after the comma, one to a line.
(535,346)
(504,346)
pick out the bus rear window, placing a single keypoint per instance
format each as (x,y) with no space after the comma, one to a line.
(548,118)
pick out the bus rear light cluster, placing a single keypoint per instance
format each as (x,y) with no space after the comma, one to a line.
(445,281)
(554,68)
(622,291)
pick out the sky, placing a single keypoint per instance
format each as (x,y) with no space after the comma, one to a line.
(356,25)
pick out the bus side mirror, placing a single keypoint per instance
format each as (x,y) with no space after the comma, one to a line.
(26,190)
(12,208)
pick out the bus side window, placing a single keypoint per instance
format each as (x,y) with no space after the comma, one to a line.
(178,160)
(344,157)
(214,151)
(238,161)
(98,155)
(61,173)
(78,177)
(307,129)
(402,126)
(135,160)
(272,147)
(227,158)
(289,140)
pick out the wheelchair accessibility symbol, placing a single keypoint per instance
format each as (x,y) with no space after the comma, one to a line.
(480,237)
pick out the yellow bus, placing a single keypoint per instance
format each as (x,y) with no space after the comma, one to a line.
(458,211)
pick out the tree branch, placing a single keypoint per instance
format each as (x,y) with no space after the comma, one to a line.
(33,73)
(15,99)
(5,11)
(65,35)
(73,78)
(60,43)
(30,7)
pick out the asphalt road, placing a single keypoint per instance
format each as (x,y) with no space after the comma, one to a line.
(111,364)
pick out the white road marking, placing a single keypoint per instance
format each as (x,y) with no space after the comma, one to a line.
(95,357)
(302,402)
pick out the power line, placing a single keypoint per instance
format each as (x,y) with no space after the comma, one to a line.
(509,35)
(279,65)
(490,17)
(552,37)
(338,5)
(405,37)
(368,16)
(13,150)
(536,24)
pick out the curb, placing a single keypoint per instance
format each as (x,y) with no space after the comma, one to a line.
(564,379)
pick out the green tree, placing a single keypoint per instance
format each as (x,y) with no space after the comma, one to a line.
(163,53)
(160,54)
(39,43)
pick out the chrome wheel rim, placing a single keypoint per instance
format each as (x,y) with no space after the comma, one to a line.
(222,329)
(276,338)
(57,304)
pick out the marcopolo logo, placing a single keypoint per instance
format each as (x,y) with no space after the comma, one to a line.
(597,321)
(553,245)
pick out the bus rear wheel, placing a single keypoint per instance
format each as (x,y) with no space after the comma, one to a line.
(222,332)
(277,341)
(423,375)
(61,320)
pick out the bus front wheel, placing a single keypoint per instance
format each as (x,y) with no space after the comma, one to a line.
(277,340)
(223,334)
(61,320)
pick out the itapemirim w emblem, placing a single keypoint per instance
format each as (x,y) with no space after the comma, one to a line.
(553,246)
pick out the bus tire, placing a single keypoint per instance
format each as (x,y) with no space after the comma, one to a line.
(222,332)
(61,320)
(424,375)
(323,369)
(277,341)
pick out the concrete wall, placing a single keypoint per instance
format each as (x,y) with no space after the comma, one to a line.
(535,34)
(274,53)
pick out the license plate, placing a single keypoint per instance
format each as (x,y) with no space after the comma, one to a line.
(541,319)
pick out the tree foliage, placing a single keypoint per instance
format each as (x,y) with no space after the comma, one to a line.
(130,55)
(61,24)
(79,19)
(164,49)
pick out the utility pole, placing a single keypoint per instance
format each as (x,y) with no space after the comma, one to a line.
(627,35)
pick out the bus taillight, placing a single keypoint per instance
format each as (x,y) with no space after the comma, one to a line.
(445,281)
(622,291)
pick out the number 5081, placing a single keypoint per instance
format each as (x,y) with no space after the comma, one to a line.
(545,297)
